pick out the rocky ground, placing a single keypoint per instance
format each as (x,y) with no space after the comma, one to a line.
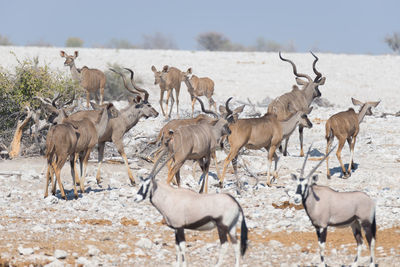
(104,226)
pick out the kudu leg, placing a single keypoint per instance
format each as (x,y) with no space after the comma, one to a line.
(85,160)
(48,177)
(87,98)
(329,141)
(161,101)
(356,227)
(177,90)
(74,172)
(169,96)
(286,145)
(352,143)
(193,102)
(271,154)
(172,171)
(53,184)
(214,156)
(322,233)
(59,165)
(101,96)
(301,141)
(338,155)
(232,154)
(100,150)
(180,246)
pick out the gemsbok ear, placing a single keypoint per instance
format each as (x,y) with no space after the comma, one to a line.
(294,177)
(62,53)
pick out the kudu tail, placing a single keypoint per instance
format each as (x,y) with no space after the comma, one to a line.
(243,236)
(50,147)
(328,130)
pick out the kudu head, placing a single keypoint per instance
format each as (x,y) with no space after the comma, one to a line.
(365,106)
(52,108)
(140,96)
(304,183)
(310,86)
(160,76)
(69,60)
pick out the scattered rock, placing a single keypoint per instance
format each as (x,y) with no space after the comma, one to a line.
(60,254)
(25,251)
(144,243)
(93,251)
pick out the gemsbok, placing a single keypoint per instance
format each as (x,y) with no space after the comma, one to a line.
(91,80)
(73,138)
(128,117)
(345,125)
(197,142)
(327,207)
(297,99)
(197,87)
(185,209)
(169,78)
(263,132)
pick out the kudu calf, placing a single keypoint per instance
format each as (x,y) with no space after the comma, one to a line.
(74,139)
(169,78)
(297,99)
(345,125)
(256,133)
(197,142)
(327,207)
(138,107)
(91,80)
(200,87)
(185,209)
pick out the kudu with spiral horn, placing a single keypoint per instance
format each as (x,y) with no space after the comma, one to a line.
(298,99)
(327,207)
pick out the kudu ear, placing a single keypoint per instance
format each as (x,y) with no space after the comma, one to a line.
(300,81)
(165,68)
(62,53)
(153,68)
(309,110)
(239,109)
(294,177)
(356,102)
(189,71)
(76,54)
(222,109)
(374,104)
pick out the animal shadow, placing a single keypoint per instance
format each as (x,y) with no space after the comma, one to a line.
(339,169)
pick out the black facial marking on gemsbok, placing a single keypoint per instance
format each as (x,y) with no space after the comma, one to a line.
(186,209)
(327,207)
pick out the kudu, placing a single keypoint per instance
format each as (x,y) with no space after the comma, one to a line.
(169,78)
(128,117)
(74,139)
(263,132)
(197,142)
(327,207)
(91,80)
(185,209)
(200,87)
(345,125)
(297,99)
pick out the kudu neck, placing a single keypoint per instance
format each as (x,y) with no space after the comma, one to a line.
(290,125)
(74,72)
(101,125)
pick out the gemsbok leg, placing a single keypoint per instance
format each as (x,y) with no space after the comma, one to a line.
(180,246)
(321,233)
(356,227)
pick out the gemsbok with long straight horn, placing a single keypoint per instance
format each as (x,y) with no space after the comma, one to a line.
(297,99)
(185,209)
(169,78)
(197,142)
(345,125)
(92,80)
(327,207)
(138,107)
(264,132)
(203,86)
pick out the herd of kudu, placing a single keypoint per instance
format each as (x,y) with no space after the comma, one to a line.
(75,135)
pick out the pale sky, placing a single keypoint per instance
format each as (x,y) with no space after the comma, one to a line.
(339,26)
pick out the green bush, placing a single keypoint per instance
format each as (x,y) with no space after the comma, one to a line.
(18,89)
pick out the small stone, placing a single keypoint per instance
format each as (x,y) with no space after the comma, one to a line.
(144,243)
(60,254)
(93,251)
(25,251)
